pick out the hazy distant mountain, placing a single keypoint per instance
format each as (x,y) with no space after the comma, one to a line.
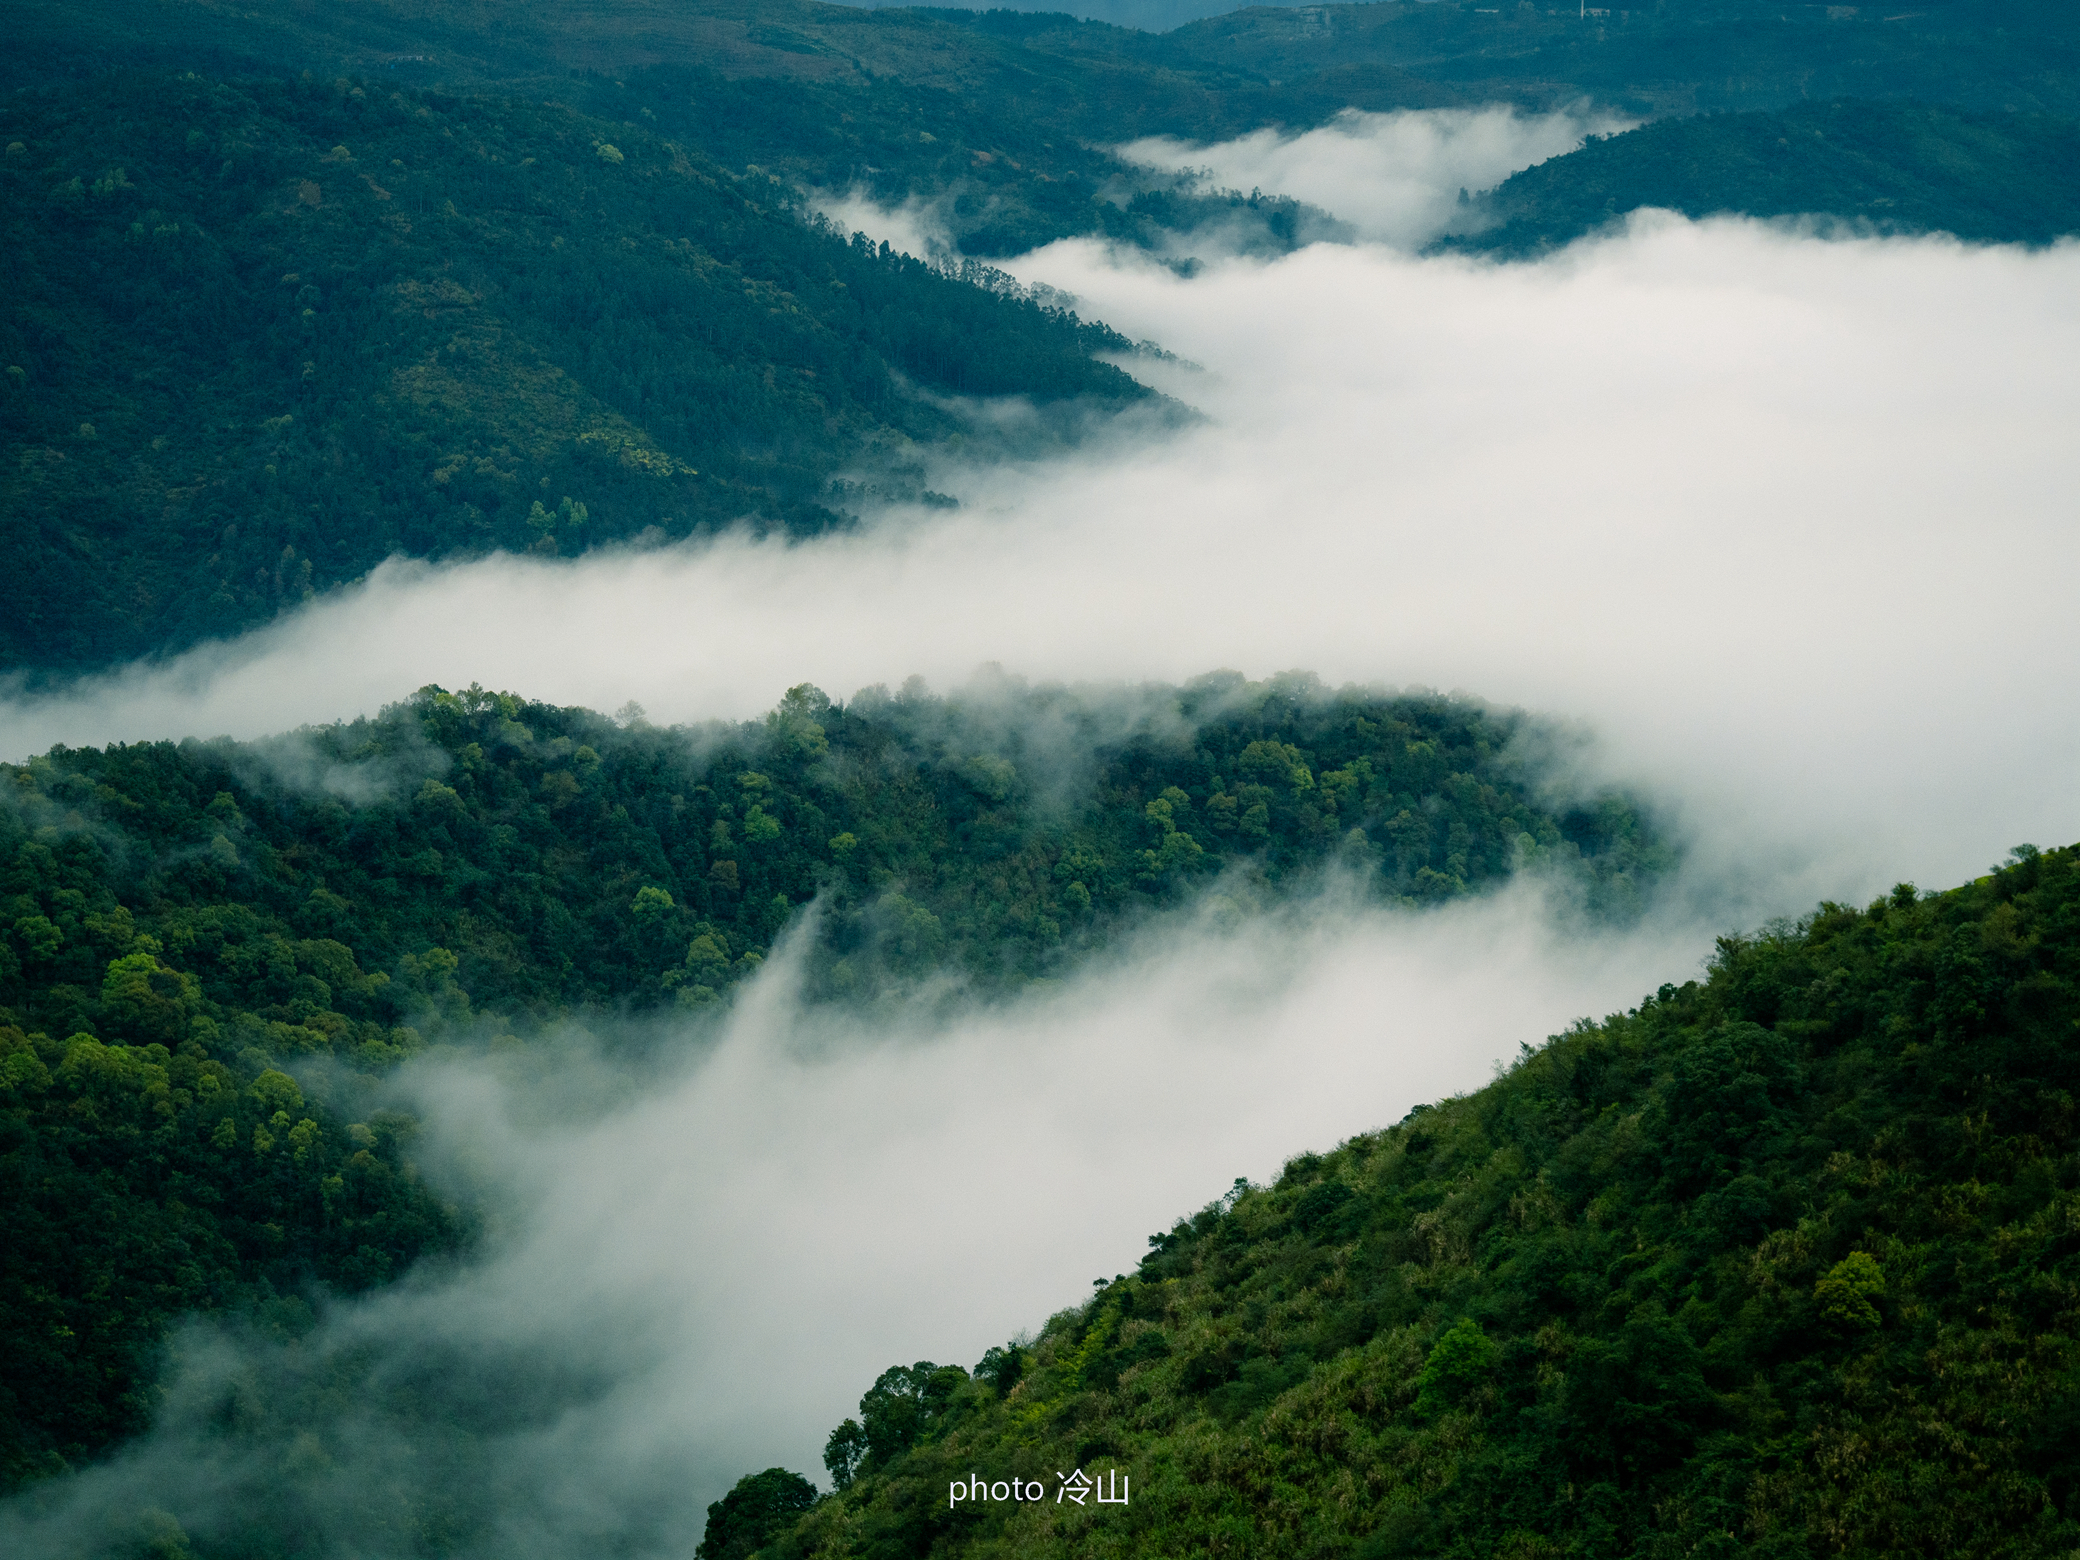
(1889,167)
(1154,16)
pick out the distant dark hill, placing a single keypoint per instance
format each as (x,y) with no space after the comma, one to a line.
(1153,16)
(1677,57)
(1002,117)
(1898,167)
(1219,76)
(259,336)
(488,311)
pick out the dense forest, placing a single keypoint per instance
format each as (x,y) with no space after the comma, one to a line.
(1221,76)
(261,336)
(1782,1262)
(1880,167)
(1001,117)
(297,292)
(180,923)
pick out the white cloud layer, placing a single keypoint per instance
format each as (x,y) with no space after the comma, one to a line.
(1395,178)
(1789,522)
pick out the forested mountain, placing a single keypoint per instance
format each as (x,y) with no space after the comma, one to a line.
(1212,78)
(831,89)
(261,336)
(301,290)
(1886,167)
(177,920)
(1679,57)
(1779,1263)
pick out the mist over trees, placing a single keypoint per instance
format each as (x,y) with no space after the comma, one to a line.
(179,923)
(1777,1262)
(433,286)
(1780,1262)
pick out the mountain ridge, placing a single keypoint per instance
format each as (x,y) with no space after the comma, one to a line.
(1754,1267)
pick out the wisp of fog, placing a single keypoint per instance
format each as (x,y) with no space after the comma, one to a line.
(1395,178)
(1389,178)
(699,1282)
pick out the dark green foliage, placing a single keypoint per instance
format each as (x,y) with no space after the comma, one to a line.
(844,1451)
(1015,103)
(1002,181)
(269,332)
(1780,1263)
(1894,167)
(1680,57)
(1001,1368)
(761,1505)
(260,336)
(138,1182)
(473,851)
(903,1407)
(175,920)
(901,1410)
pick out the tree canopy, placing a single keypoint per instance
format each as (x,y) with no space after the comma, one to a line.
(182,923)
(1780,1262)
(1892,168)
(264,334)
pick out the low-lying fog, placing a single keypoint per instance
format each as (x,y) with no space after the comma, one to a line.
(699,1283)
(1395,178)
(1788,523)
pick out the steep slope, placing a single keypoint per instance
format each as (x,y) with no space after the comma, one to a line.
(176,921)
(1891,167)
(261,336)
(1003,123)
(1783,1262)
(1681,57)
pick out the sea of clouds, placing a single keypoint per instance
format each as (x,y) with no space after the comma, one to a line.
(1785,523)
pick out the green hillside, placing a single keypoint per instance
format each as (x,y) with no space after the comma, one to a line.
(261,336)
(300,290)
(179,922)
(833,88)
(1783,1262)
(1889,167)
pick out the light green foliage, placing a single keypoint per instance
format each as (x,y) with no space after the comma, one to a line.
(1622,1301)
(1847,1293)
(144,1000)
(276,1091)
(552,857)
